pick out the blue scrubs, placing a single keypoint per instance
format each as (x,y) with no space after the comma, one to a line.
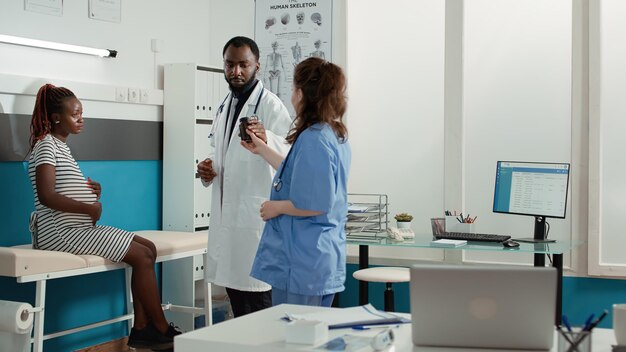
(307,255)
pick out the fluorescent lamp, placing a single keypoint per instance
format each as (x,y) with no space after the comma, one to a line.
(57,46)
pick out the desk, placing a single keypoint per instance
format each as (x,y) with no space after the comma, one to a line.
(423,241)
(264,331)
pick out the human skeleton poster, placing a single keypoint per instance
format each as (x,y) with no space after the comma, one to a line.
(287,32)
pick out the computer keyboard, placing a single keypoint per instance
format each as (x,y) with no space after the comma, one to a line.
(482,237)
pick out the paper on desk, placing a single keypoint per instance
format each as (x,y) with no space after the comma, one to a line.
(348,317)
(354,208)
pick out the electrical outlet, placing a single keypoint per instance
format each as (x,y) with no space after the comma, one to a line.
(133,95)
(144,96)
(121,94)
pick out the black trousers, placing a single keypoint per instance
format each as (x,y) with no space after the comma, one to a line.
(245,302)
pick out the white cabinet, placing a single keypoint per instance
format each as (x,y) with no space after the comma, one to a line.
(191,96)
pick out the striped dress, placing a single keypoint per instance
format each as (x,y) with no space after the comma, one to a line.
(68,232)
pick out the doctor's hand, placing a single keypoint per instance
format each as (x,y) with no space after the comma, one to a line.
(270,209)
(205,170)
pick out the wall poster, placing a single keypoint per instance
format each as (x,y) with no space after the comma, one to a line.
(287,32)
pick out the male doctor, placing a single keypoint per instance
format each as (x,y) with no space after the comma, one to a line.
(241,180)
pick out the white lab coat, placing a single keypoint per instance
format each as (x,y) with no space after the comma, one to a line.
(235,225)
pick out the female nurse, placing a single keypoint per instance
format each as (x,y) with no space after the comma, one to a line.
(302,252)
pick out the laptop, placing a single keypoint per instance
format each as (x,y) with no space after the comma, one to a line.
(483,306)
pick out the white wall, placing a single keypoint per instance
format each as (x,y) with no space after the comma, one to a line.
(228,19)
(182,25)
(607,143)
(395,69)
(517,101)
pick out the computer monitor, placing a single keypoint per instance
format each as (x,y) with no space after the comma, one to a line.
(536,189)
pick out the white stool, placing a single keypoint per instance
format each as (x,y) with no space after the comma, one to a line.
(388,275)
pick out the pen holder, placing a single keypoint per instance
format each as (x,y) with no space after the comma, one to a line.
(453,225)
(574,341)
(438,225)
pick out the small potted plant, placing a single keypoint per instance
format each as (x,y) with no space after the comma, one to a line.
(404,220)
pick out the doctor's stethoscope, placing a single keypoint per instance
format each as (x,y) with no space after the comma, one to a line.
(221,108)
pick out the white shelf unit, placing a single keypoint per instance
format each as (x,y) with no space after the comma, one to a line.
(191,96)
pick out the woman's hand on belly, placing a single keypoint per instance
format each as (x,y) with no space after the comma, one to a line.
(95,210)
(96,188)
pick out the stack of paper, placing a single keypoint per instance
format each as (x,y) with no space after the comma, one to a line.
(349,317)
(448,243)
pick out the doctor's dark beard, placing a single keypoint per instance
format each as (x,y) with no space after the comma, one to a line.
(239,90)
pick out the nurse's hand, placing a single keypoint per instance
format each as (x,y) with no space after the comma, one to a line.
(270,209)
(256,126)
(205,170)
(257,143)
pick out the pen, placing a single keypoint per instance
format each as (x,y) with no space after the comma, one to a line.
(597,321)
(363,327)
(566,322)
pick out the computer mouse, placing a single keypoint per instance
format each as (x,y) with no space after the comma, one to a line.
(510,244)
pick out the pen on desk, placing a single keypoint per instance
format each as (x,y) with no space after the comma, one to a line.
(474,219)
(364,327)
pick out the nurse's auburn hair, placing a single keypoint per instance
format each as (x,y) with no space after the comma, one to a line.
(49,101)
(323,86)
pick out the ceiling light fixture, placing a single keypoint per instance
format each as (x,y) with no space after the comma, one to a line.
(57,46)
